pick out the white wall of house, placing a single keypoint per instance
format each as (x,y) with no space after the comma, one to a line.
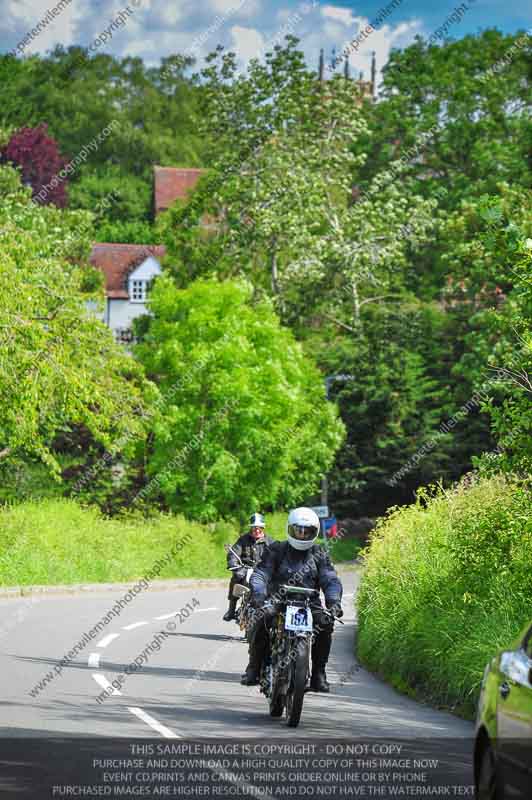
(121,313)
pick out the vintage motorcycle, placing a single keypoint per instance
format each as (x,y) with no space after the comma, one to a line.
(285,674)
(242,591)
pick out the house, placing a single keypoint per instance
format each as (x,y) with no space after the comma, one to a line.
(128,272)
(171,184)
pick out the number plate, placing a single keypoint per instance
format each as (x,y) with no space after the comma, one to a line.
(298,618)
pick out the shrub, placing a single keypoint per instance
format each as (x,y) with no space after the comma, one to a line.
(447,582)
(60,542)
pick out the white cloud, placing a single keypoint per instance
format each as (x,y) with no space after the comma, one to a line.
(160,27)
(329,34)
(247,42)
(235,8)
(27,14)
(171,14)
(342,15)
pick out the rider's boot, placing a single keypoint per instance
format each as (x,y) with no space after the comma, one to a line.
(230,613)
(320,654)
(257,653)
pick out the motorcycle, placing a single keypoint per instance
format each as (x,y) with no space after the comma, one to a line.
(285,674)
(242,591)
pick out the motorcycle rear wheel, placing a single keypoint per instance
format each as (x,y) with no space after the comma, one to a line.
(298,682)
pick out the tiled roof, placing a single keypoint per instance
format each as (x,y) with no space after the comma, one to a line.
(172,183)
(117,260)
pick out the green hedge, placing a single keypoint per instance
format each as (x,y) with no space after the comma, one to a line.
(447,582)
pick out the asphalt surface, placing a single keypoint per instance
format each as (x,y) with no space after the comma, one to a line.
(190,687)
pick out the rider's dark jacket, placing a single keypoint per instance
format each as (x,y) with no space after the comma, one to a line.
(249,549)
(282,564)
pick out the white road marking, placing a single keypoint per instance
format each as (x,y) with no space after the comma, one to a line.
(104,683)
(196,611)
(157,726)
(134,625)
(94,660)
(107,639)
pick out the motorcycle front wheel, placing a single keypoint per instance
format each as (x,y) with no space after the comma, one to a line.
(298,681)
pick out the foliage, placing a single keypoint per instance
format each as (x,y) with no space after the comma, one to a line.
(37,155)
(391,405)
(79,95)
(60,542)
(244,422)
(133,232)
(280,187)
(116,195)
(489,293)
(447,581)
(480,117)
(59,365)
(371,280)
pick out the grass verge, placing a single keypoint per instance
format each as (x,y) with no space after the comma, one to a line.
(57,541)
(447,582)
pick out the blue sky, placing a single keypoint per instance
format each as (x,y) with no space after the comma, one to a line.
(160,27)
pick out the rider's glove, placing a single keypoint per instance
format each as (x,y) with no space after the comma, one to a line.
(240,574)
(336,610)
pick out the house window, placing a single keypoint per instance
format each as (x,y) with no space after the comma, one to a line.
(138,291)
(124,335)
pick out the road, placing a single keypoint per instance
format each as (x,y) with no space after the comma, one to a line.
(190,687)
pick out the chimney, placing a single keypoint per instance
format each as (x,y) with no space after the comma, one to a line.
(321,69)
(373,75)
(346,69)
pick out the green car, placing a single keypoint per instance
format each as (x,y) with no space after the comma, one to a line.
(503,741)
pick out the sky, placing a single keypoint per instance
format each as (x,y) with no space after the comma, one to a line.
(154,28)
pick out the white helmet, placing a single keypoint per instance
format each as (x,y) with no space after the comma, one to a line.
(302,528)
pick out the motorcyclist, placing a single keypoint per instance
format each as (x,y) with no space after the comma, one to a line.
(250,547)
(298,562)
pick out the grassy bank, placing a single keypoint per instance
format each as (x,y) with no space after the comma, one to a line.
(448,581)
(54,542)
(59,542)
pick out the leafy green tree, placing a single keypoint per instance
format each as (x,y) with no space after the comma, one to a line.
(127,232)
(283,207)
(114,195)
(59,365)
(243,421)
(479,117)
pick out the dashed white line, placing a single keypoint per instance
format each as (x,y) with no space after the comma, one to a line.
(94,660)
(107,639)
(167,616)
(157,726)
(104,683)
(133,626)
(199,610)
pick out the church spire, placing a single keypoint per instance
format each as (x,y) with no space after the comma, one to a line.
(373,75)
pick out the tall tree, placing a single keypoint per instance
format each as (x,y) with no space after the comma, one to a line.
(59,365)
(243,421)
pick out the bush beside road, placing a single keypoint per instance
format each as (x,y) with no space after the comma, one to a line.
(447,582)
